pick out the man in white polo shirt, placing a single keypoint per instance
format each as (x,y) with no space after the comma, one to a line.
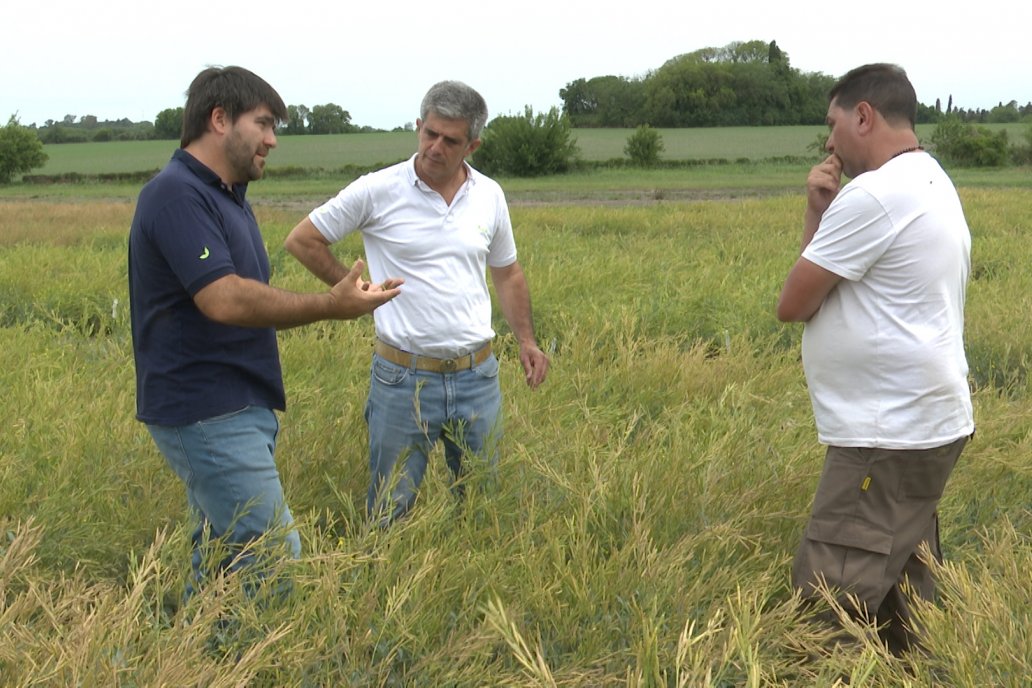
(439,224)
(880,285)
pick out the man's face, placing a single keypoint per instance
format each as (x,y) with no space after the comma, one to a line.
(443,145)
(249,140)
(842,138)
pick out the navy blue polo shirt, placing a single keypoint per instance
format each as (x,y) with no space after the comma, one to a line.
(189,230)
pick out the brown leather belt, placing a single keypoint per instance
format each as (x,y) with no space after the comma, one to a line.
(433,365)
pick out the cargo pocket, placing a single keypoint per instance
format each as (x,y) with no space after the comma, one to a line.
(850,554)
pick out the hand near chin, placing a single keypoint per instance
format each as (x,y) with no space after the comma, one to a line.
(823,183)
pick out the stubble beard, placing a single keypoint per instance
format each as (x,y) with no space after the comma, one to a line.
(241,156)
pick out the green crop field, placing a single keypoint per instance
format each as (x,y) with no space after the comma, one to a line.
(640,526)
(367,150)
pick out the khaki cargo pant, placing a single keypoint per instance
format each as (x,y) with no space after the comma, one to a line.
(872,510)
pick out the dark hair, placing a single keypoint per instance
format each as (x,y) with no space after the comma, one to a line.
(234,89)
(885,86)
(456,100)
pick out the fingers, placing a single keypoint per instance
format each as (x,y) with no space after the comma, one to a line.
(355,273)
(355,296)
(824,178)
(535,367)
(382,296)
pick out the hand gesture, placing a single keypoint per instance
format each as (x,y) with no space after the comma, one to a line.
(353,296)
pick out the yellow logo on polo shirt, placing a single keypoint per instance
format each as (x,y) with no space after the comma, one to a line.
(205,254)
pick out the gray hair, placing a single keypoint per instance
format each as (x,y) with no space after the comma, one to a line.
(456,100)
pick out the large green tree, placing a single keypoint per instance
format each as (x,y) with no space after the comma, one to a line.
(20,150)
(297,120)
(603,101)
(742,83)
(169,124)
(329,119)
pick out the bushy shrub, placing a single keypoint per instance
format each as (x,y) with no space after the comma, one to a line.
(20,150)
(965,145)
(644,146)
(1021,153)
(527,145)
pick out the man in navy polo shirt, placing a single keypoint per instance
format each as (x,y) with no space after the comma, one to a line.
(204,317)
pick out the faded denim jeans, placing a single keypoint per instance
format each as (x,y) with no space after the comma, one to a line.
(409,410)
(228,466)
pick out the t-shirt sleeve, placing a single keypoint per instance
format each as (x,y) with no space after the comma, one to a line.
(192,240)
(854,232)
(502,249)
(344,213)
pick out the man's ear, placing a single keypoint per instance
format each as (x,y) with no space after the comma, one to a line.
(218,120)
(865,115)
(472,147)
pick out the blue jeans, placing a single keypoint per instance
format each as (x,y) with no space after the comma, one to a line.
(409,410)
(228,467)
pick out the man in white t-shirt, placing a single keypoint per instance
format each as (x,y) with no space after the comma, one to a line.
(880,285)
(438,224)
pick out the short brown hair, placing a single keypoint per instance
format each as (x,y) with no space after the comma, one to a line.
(885,86)
(234,89)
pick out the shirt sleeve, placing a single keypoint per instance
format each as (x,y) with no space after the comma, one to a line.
(344,213)
(192,239)
(853,234)
(501,251)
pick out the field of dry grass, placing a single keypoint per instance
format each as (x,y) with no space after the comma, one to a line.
(639,529)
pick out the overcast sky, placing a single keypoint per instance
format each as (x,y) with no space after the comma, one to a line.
(128,58)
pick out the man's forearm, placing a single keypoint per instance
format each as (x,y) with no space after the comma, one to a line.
(242,302)
(306,244)
(514,300)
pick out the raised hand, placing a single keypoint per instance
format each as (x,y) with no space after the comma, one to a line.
(353,296)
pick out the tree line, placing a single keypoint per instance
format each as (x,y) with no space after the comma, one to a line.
(749,83)
(328,118)
(745,83)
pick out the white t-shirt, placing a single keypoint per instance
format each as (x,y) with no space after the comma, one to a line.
(884,354)
(441,251)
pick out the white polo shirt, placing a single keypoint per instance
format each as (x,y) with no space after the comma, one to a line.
(884,354)
(442,252)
